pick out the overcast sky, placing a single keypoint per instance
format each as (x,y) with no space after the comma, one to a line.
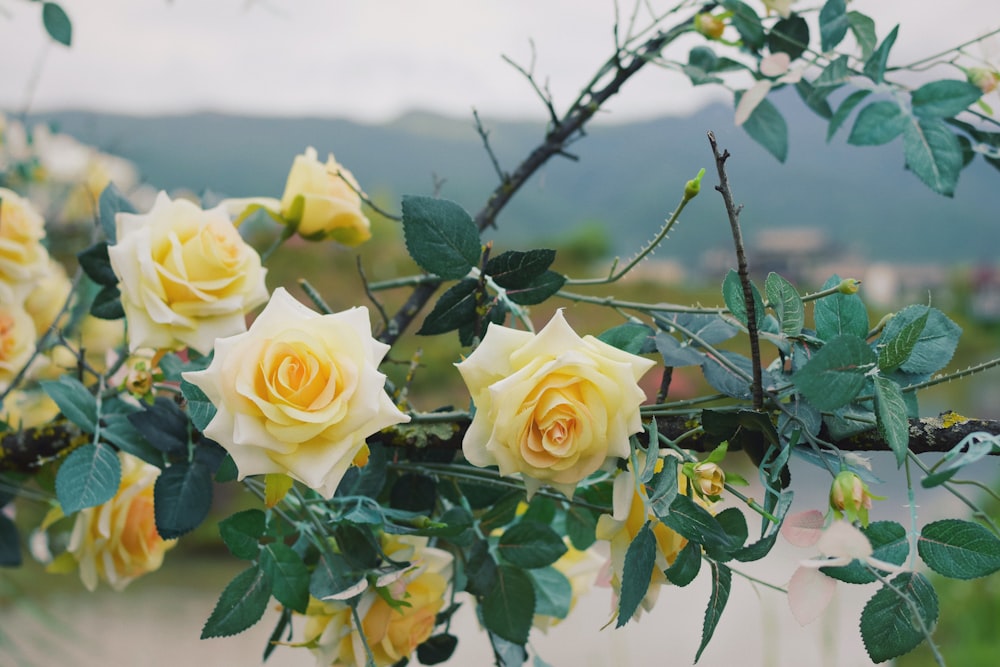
(366,59)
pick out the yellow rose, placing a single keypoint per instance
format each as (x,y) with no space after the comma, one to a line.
(17,341)
(322,203)
(552,406)
(23,258)
(46,300)
(393,633)
(186,276)
(298,393)
(621,527)
(710,478)
(117,541)
(27,409)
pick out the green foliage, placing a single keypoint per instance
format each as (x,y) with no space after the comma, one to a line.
(959,549)
(440,236)
(553,592)
(74,400)
(786,303)
(839,313)
(182,497)
(241,604)
(933,153)
(640,559)
(89,476)
(241,533)
(529,544)
(57,23)
(768,128)
(889,544)
(889,623)
(631,337)
(732,293)
(510,605)
(836,374)
(790,35)
(111,203)
(722,582)
(686,566)
(833,24)
(288,575)
(936,341)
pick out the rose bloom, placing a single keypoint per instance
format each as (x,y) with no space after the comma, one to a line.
(322,203)
(621,527)
(17,341)
(117,541)
(46,300)
(23,258)
(552,406)
(393,634)
(298,393)
(710,478)
(22,409)
(186,275)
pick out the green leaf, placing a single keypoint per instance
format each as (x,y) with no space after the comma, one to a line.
(514,269)
(747,23)
(164,426)
(182,497)
(836,373)
(890,412)
(767,127)
(332,576)
(724,380)
(107,304)
(457,306)
(694,522)
(89,476)
(501,513)
(889,544)
(95,263)
(784,299)
(553,592)
(111,203)
(632,337)
(969,450)
(815,98)
(686,566)
(834,75)
(440,236)
(74,400)
(663,488)
(863,28)
(877,124)
(732,294)
(538,290)
(948,97)
(675,353)
(480,569)
(529,544)
(288,574)
(118,430)
(936,343)
(896,350)
(933,153)
(875,65)
(241,604)
(959,549)
(200,409)
(509,606)
(844,110)
(57,23)
(581,526)
(789,36)
(10,543)
(888,627)
(763,546)
(640,559)
(833,24)
(838,314)
(242,531)
(437,649)
(722,581)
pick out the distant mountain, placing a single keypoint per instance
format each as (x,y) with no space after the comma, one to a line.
(627,176)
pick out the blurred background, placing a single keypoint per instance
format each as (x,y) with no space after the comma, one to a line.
(214,100)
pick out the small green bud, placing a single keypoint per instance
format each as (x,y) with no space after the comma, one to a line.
(849,286)
(693,187)
(850,497)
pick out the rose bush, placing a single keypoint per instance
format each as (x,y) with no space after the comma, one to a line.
(298,393)
(322,200)
(117,541)
(185,274)
(552,406)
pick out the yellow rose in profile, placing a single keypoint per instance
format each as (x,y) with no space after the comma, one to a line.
(17,341)
(186,276)
(621,527)
(393,632)
(553,406)
(23,258)
(298,393)
(323,203)
(117,541)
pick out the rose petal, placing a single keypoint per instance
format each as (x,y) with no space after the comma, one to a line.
(803,529)
(809,593)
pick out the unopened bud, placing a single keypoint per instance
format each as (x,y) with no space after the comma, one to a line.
(693,187)
(850,497)
(708,25)
(710,478)
(985,79)
(849,286)
(139,381)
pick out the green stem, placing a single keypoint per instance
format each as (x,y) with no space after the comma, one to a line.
(369,657)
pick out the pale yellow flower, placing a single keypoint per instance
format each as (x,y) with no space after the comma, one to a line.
(45,301)
(186,276)
(23,258)
(117,541)
(17,341)
(323,200)
(298,393)
(554,407)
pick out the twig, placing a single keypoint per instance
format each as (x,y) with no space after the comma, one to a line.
(485,136)
(543,94)
(757,392)
(371,295)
